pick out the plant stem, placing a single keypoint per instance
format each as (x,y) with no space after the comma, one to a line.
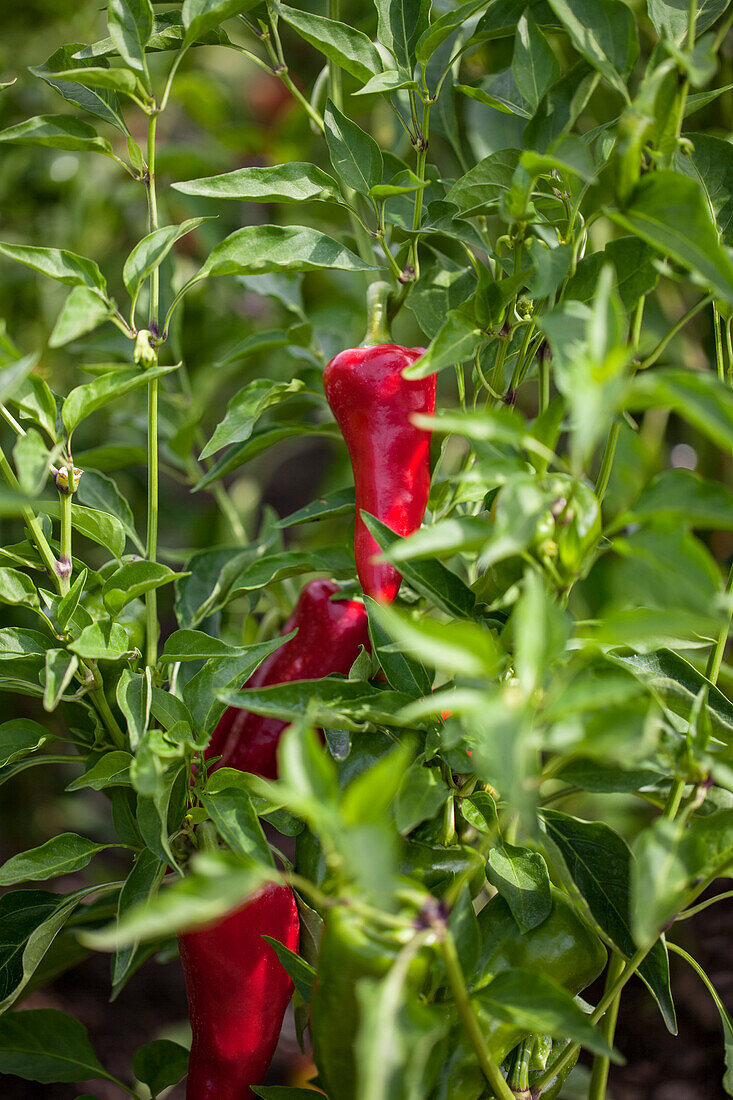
(609,454)
(606,1001)
(64,564)
(457,982)
(151,600)
(377,331)
(599,1076)
(715,660)
(718,335)
(99,699)
(421,138)
(34,527)
(669,336)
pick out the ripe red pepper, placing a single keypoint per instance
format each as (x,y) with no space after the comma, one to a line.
(328,640)
(237,994)
(390,456)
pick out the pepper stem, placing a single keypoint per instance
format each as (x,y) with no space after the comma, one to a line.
(378,295)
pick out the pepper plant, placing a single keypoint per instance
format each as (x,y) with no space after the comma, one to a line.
(540,194)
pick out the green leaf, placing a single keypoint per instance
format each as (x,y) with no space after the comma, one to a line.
(338,503)
(56,132)
(110,770)
(62,855)
(31,458)
(297,181)
(17,588)
(455,648)
(245,409)
(671,860)
(60,669)
(604,32)
(432,38)
(201,16)
(82,312)
(350,48)
(117,80)
(213,887)
(102,493)
(700,398)
(101,641)
(536,1003)
(400,24)
(301,973)
(195,645)
(86,399)
(599,863)
(421,796)
(260,441)
(633,263)
(257,249)
(13,374)
(669,212)
(355,155)
(403,673)
(132,580)
(534,65)
(200,693)
(337,561)
(19,737)
(454,342)
(65,267)
(103,104)
(16,643)
(541,630)
(98,526)
(31,920)
(710,163)
(130,24)
(683,496)
(390,81)
(141,884)
(671,17)
(445,589)
(45,1045)
(160,1064)
(521,877)
(237,823)
(134,698)
(149,253)
(482,187)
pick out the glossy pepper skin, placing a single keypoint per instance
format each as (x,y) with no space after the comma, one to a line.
(390,456)
(330,634)
(237,995)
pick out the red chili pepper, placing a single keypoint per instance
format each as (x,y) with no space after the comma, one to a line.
(237,994)
(330,633)
(390,456)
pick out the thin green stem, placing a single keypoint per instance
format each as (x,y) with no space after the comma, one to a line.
(601,1065)
(606,1001)
(171,75)
(670,335)
(422,137)
(65,566)
(12,422)
(151,549)
(717,330)
(34,528)
(609,454)
(695,909)
(457,982)
(544,378)
(715,659)
(99,700)
(674,799)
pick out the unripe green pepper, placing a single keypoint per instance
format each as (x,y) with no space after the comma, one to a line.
(563,948)
(350,950)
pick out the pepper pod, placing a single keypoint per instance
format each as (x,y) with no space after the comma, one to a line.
(390,456)
(237,994)
(330,635)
